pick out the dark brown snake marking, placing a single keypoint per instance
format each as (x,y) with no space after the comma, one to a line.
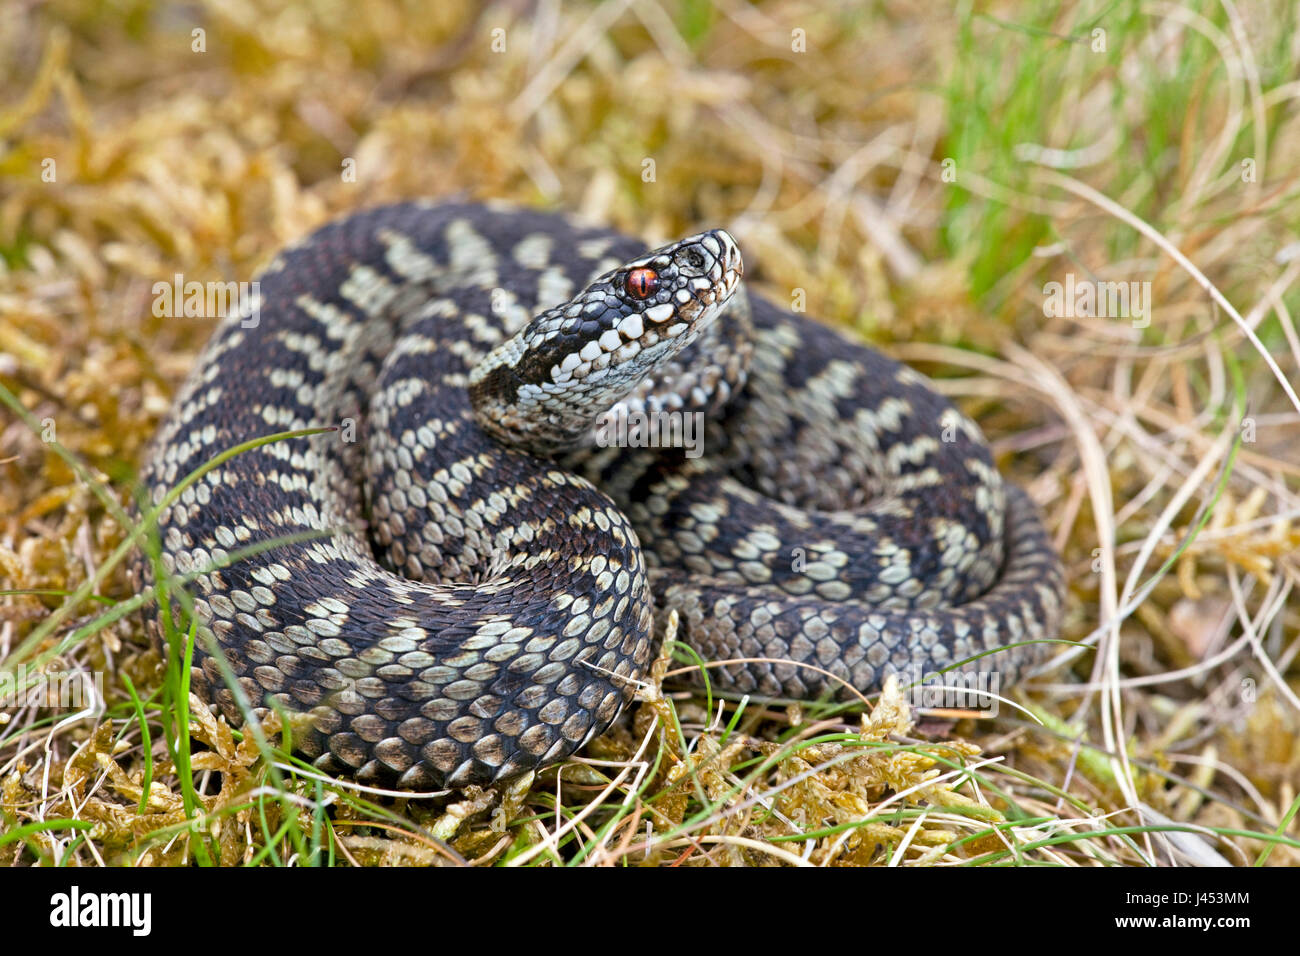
(474,610)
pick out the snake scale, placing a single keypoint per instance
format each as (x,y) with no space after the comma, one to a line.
(460,584)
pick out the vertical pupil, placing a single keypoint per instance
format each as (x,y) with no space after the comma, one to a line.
(642,282)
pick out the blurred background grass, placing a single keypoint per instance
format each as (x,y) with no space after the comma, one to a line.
(918,172)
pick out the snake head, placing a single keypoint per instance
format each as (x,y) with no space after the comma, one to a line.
(544,389)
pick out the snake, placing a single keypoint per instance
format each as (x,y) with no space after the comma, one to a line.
(538,441)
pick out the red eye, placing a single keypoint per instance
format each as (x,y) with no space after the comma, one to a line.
(641,283)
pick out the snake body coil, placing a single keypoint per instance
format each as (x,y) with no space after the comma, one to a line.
(458,584)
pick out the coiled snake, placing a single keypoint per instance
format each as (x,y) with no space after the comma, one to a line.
(477,599)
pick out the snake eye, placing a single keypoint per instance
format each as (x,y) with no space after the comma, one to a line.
(641,283)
